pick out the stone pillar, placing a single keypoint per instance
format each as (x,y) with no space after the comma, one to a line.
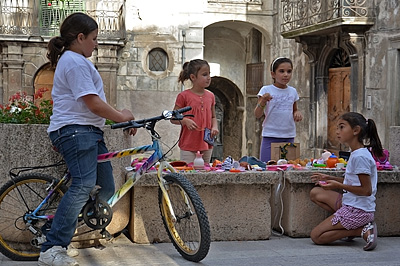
(311,47)
(394,145)
(354,45)
(12,69)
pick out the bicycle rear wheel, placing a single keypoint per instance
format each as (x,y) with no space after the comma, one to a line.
(190,233)
(18,197)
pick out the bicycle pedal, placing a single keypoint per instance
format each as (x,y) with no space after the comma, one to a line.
(105,234)
(95,191)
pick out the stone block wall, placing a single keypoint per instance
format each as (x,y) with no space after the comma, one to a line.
(300,215)
(394,145)
(237,205)
(29,145)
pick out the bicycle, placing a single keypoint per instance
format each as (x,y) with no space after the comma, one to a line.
(28,201)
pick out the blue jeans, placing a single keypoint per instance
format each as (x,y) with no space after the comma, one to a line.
(79,145)
(265,150)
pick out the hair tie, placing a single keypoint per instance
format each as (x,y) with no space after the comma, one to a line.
(273,62)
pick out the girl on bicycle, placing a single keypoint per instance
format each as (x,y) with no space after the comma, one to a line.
(202,102)
(354,208)
(79,112)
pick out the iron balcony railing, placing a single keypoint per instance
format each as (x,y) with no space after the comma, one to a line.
(26,18)
(259,2)
(319,14)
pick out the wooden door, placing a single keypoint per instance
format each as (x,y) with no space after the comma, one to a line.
(43,79)
(338,103)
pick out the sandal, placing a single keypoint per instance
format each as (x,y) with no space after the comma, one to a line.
(371,239)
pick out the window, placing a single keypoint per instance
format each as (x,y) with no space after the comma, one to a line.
(53,12)
(158,60)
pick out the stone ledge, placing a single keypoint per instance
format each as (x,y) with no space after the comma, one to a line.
(219,178)
(300,215)
(237,204)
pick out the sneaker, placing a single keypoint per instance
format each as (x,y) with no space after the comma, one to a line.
(72,252)
(56,256)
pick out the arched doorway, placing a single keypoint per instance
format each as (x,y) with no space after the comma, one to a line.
(229,109)
(43,79)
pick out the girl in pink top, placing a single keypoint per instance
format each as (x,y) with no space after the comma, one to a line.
(202,102)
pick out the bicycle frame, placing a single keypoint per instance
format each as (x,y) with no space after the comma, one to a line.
(157,156)
(182,211)
(134,176)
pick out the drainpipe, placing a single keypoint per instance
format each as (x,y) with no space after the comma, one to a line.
(183,53)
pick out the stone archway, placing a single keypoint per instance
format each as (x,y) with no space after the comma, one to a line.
(230,107)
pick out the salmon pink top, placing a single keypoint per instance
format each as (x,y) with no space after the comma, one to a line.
(193,140)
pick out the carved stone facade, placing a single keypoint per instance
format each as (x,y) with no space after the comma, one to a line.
(371,44)
(230,35)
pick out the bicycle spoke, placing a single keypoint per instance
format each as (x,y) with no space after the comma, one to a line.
(190,233)
(17,199)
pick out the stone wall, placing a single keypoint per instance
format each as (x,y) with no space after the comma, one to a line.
(237,205)
(29,145)
(394,145)
(300,215)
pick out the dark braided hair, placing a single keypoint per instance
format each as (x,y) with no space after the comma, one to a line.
(191,67)
(70,28)
(368,131)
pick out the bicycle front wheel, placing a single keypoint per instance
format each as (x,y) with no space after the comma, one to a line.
(190,232)
(18,235)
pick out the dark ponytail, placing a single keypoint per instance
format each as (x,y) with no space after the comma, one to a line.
(374,141)
(368,132)
(70,28)
(191,67)
(184,75)
(55,48)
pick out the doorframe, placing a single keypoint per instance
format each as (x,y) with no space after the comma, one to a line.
(320,50)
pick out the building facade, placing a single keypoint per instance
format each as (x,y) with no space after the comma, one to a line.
(345,56)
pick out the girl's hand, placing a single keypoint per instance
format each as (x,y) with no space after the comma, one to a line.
(132,131)
(127,115)
(330,184)
(297,116)
(316,177)
(214,132)
(190,124)
(265,98)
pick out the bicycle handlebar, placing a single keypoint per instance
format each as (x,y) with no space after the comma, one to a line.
(166,115)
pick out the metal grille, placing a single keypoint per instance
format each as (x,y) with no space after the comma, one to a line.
(43,17)
(302,13)
(52,13)
(16,16)
(258,2)
(109,15)
(157,60)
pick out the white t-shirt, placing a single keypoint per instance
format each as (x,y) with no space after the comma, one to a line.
(279,121)
(360,162)
(75,76)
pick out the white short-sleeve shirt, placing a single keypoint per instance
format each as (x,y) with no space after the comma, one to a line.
(75,76)
(279,121)
(360,162)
